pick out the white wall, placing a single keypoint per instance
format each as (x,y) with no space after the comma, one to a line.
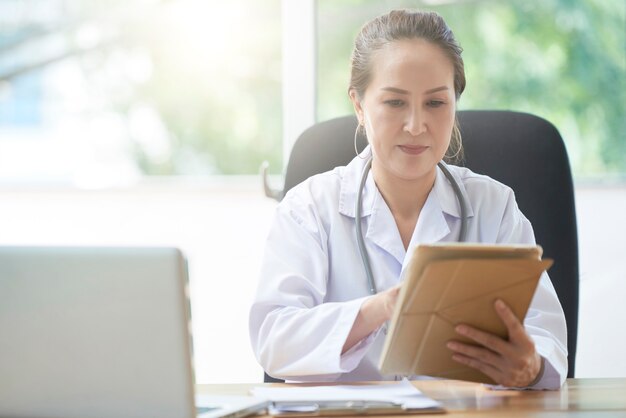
(602,246)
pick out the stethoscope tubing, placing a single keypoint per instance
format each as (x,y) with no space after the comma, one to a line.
(359,233)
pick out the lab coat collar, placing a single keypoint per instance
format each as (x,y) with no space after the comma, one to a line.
(432,225)
(445,193)
(350,182)
(382,230)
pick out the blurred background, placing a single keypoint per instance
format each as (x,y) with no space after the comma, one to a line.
(144,122)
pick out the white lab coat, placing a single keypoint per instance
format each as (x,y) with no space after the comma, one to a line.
(313,282)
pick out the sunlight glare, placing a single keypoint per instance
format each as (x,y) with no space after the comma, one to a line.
(205,33)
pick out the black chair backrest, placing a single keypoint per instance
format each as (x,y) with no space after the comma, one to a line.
(527,153)
(520,150)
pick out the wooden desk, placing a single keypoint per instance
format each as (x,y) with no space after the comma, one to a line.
(578,398)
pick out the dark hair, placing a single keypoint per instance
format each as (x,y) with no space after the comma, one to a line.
(407,24)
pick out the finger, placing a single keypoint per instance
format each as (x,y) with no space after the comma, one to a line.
(479,353)
(490,341)
(487,369)
(514,326)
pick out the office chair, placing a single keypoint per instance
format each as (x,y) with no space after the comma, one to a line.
(520,150)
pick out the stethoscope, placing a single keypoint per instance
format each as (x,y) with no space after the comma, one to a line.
(359,233)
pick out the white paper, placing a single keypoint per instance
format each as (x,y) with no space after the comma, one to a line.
(403,393)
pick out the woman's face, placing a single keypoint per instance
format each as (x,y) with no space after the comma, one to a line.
(408,108)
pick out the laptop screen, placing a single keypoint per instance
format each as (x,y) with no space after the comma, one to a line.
(91,332)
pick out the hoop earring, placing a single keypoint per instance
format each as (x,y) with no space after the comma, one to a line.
(356,134)
(456,133)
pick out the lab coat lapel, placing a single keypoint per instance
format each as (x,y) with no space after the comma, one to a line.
(383,231)
(376,216)
(432,225)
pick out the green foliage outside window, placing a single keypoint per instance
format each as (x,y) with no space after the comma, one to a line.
(563,60)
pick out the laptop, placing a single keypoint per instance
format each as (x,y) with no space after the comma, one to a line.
(100,332)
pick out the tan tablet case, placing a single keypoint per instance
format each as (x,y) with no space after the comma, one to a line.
(449,284)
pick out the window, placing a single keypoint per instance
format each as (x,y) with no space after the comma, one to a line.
(114,91)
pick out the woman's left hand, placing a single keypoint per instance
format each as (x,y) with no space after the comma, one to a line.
(513,362)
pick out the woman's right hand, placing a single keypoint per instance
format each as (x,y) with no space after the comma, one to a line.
(388,300)
(374,312)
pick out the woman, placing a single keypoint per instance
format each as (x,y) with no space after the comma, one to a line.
(313,318)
